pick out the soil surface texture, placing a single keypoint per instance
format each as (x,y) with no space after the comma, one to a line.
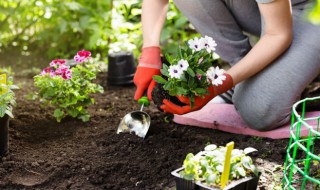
(44,154)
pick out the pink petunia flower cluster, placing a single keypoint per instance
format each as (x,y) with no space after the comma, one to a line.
(82,56)
(58,67)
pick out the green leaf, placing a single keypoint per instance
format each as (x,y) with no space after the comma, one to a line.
(201,72)
(181,91)
(180,22)
(241,171)
(201,91)
(211,178)
(85,118)
(3,110)
(190,72)
(58,114)
(168,58)
(180,54)
(190,82)
(164,70)
(73,112)
(9,113)
(159,79)
(168,85)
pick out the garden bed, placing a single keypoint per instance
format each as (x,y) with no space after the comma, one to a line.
(45,154)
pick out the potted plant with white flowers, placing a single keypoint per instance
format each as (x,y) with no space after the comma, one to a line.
(7,101)
(205,170)
(190,73)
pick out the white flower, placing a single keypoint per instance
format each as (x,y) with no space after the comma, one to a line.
(183,64)
(219,168)
(209,44)
(196,44)
(175,71)
(215,75)
(210,147)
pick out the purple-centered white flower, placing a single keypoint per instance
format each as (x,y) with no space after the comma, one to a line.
(196,44)
(209,44)
(183,64)
(175,71)
(215,75)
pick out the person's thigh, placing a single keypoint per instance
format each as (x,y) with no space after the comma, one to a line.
(215,19)
(264,101)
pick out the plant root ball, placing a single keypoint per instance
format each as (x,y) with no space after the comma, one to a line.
(159,94)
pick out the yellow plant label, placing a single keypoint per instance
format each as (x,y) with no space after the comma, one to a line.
(3,83)
(226,168)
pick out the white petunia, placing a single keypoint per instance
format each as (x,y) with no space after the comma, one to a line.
(183,64)
(209,44)
(175,71)
(196,44)
(216,75)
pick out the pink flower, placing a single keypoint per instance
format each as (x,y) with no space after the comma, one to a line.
(67,75)
(79,59)
(82,56)
(52,74)
(84,53)
(57,62)
(198,76)
(61,69)
(46,70)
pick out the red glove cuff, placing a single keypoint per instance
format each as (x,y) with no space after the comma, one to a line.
(150,57)
(226,85)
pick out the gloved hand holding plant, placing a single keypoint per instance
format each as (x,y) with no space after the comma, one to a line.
(192,78)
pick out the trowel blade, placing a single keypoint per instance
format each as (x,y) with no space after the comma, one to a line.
(137,122)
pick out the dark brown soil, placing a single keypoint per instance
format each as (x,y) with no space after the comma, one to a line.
(45,154)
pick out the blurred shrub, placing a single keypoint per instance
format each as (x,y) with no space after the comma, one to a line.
(54,26)
(314,15)
(59,28)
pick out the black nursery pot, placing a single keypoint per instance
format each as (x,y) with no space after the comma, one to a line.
(4,134)
(248,183)
(121,68)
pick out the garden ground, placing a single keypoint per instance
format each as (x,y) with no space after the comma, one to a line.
(45,154)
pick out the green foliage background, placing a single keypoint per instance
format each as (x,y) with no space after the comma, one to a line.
(59,28)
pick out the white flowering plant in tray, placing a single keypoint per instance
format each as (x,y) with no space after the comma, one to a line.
(191,72)
(207,166)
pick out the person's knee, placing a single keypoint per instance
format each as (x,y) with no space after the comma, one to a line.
(263,117)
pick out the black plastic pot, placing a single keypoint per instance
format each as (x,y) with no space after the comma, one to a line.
(4,134)
(121,68)
(248,183)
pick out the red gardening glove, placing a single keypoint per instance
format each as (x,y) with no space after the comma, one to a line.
(199,102)
(149,65)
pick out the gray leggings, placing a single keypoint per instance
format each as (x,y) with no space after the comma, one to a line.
(264,101)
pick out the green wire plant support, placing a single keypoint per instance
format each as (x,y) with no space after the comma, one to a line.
(302,165)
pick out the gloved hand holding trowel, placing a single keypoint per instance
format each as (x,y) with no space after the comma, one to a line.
(149,65)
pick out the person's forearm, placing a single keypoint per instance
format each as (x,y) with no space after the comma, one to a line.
(261,55)
(153,17)
(276,40)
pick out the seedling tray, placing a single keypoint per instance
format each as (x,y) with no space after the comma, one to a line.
(248,183)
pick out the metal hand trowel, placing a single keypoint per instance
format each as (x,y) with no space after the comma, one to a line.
(136,121)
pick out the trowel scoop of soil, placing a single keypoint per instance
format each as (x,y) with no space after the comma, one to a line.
(136,121)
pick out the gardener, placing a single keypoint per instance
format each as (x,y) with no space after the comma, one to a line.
(267,78)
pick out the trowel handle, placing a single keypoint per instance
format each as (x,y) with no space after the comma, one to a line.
(144,100)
